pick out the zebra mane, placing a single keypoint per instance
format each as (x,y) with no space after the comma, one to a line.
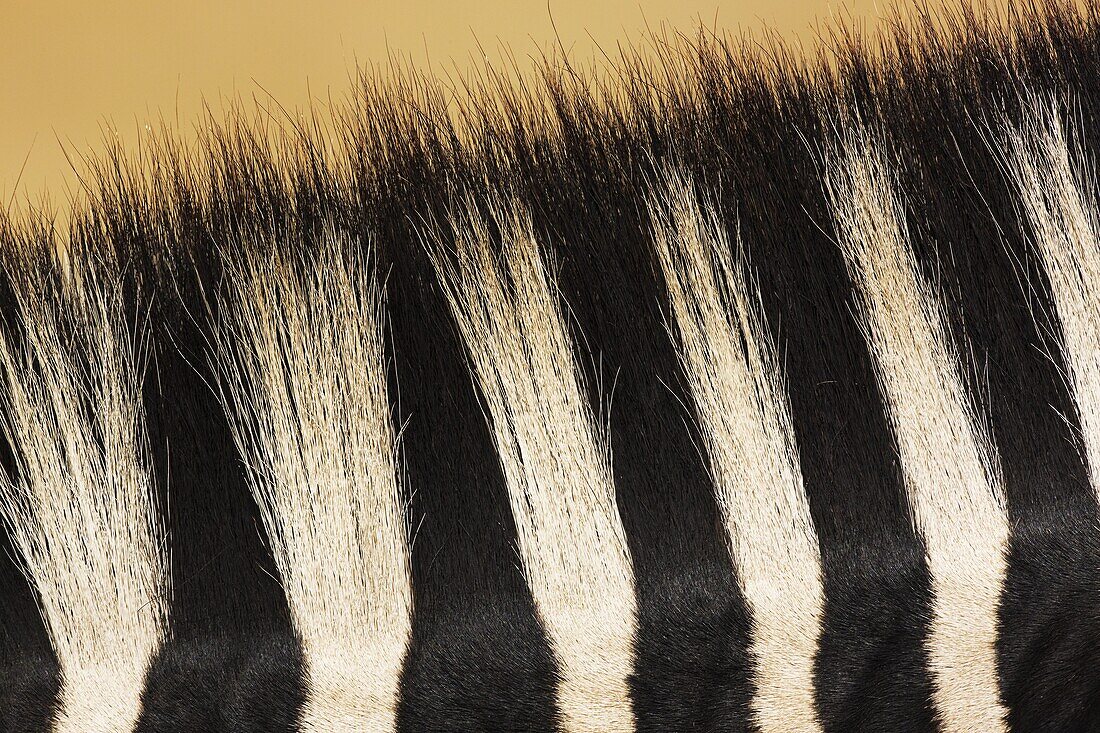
(718,386)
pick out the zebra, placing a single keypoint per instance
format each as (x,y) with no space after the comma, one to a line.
(721,387)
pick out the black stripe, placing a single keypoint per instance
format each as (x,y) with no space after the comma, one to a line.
(479,658)
(29,674)
(871,668)
(232,660)
(692,663)
(977,238)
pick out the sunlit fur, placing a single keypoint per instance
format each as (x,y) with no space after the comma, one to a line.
(951,469)
(746,424)
(555,459)
(79,506)
(299,347)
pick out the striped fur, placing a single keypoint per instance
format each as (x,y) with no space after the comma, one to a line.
(300,349)
(951,469)
(747,429)
(80,502)
(555,460)
(1057,192)
(717,389)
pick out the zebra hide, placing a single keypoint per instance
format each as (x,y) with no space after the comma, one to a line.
(718,387)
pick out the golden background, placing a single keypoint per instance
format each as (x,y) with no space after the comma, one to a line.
(73,70)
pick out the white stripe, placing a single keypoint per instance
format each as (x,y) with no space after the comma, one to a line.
(82,514)
(951,470)
(746,426)
(555,461)
(300,350)
(1059,197)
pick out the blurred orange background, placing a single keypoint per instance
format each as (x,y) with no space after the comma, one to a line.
(72,70)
